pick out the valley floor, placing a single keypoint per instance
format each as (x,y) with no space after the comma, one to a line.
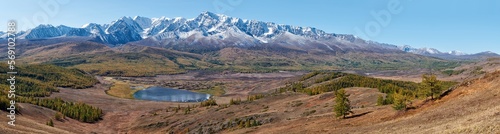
(471,108)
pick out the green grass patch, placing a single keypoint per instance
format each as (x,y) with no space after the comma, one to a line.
(478,70)
(215,91)
(453,72)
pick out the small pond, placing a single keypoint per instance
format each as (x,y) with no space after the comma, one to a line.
(169,94)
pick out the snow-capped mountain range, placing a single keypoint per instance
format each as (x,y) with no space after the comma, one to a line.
(446,55)
(429,51)
(127,29)
(215,30)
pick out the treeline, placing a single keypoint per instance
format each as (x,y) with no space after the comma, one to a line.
(250,98)
(78,111)
(390,87)
(309,75)
(58,76)
(29,87)
(5,101)
(329,76)
(351,80)
(42,80)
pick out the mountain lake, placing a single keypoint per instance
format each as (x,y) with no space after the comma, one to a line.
(169,94)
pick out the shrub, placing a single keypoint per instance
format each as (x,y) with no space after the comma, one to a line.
(209,102)
(235,101)
(50,123)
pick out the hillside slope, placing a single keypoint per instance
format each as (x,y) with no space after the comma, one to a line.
(473,107)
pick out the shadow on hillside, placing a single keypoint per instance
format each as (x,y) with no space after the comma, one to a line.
(358,115)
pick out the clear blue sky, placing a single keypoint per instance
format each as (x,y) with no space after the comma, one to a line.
(466,25)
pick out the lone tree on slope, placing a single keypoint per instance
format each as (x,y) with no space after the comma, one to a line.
(342,104)
(430,86)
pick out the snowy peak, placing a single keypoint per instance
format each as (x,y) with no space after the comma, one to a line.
(42,31)
(457,53)
(124,23)
(143,22)
(431,51)
(211,15)
(49,31)
(487,53)
(422,51)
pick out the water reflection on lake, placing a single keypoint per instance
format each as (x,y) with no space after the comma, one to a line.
(169,94)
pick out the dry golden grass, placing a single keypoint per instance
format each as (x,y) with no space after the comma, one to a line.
(121,90)
(472,108)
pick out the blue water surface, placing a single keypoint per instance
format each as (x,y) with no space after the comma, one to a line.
(169,94)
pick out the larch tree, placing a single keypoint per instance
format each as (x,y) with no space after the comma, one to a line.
(400,101)
(342,104)
(430,86)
